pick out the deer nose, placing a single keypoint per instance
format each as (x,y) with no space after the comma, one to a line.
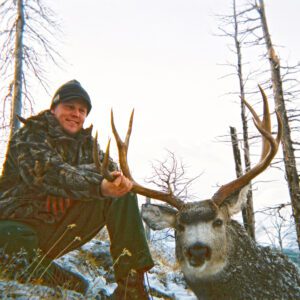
(198,253)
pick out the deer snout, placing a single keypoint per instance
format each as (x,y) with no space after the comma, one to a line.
(197,254)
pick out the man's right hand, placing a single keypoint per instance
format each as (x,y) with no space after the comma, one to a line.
(117,188)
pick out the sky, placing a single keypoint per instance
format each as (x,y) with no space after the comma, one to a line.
(163,58)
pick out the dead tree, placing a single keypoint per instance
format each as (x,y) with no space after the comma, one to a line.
(238,35)
(27,31)
(255,36)
(147,229)
(279,232)
(250,228)
(236,152)
(247,211)
(16,105)
(287,147)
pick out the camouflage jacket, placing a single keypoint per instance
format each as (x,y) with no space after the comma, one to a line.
(43,160)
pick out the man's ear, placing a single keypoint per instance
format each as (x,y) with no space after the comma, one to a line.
(158,217)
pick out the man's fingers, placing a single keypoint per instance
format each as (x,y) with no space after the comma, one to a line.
(56,204)
(123,183)
(61,202)
(48,204)
(120,186)
(117,182)
(116,174)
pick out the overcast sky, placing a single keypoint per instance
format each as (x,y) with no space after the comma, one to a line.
(162,58)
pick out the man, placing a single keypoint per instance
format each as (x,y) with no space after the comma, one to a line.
(53,199)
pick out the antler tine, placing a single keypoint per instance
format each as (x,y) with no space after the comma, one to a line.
(137,188)
(129,129)
(269,150)
(123,147)
(266,121)
(102,168)
(96,159)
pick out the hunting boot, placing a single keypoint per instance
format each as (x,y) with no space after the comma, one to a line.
(131,287)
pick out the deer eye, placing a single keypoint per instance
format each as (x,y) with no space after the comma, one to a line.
(180,227)
(217,223)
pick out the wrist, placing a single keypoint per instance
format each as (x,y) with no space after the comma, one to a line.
(100,190)
(103,189)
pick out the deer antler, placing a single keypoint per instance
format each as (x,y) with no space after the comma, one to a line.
(102,168)
(269,150)
(123,149)
(137,188)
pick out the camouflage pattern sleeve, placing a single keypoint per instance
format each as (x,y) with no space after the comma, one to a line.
(45,169)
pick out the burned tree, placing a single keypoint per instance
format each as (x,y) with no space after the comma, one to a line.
(231,28)
(28,31)
(288,151)
(254,36)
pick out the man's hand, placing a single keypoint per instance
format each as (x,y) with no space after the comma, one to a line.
(117,188)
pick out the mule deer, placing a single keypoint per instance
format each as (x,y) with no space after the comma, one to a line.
(217,257)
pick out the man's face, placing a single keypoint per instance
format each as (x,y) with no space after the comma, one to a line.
(71,115)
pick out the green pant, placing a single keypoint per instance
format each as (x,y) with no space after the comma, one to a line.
(15,236)
(121,216)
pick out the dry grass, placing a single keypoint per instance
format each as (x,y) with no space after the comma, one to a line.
(160,257)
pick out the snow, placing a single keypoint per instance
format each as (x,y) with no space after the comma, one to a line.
(163,280)
(93,261)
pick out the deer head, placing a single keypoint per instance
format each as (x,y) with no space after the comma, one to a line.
(202,238)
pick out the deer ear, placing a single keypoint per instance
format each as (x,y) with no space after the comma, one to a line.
(236,201)
(158,217)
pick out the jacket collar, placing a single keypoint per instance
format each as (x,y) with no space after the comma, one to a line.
(47,120)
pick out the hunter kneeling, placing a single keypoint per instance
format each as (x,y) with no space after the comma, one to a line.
(49,183)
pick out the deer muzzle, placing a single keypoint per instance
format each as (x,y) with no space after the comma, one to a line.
(197,254)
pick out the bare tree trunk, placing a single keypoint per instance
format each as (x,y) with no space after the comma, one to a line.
(236,152)
(147,228)
(239,172)
(26,47)
(288,151)
(16,106)
(247,212)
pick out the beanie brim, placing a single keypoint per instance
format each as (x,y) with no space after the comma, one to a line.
(70,91)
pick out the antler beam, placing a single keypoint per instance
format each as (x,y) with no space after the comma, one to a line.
(269,150)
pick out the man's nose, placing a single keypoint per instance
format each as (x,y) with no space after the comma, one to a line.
(75,112)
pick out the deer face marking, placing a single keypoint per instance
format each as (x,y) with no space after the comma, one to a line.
(197,254)
(200,227)
(201,243)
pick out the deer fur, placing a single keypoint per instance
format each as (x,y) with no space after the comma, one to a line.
(225,262)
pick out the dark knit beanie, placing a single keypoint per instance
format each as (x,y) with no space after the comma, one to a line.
(69,91)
